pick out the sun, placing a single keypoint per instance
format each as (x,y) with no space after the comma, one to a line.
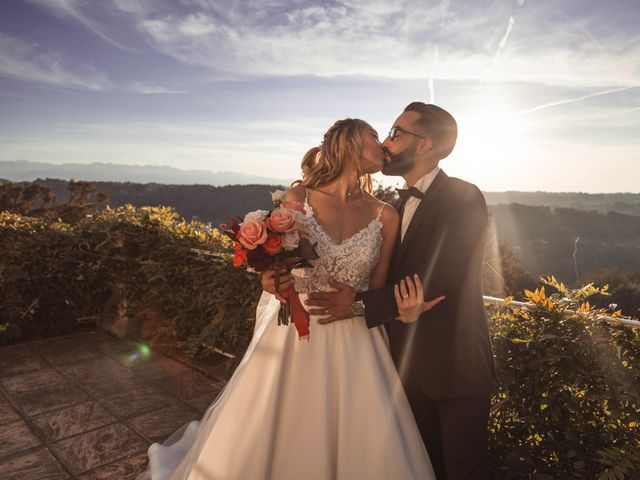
(490,139)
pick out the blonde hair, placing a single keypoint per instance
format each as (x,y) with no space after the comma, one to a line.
(341,144)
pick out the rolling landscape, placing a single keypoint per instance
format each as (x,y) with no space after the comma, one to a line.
(542,229)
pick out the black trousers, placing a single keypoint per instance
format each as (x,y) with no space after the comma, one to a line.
(455,432)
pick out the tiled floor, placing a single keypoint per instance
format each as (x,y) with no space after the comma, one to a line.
(87,406)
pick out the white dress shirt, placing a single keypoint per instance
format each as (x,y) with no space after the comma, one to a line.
(412,203)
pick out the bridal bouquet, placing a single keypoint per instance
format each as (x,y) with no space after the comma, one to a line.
(273,239)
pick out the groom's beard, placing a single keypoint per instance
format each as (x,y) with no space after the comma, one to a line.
(397,164)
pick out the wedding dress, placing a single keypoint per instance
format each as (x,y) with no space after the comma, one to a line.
(328,408)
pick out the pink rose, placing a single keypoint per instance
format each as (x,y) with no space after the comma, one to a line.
(281,220)
(252,233)
(291,240)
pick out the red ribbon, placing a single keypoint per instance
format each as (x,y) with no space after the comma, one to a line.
(299,315)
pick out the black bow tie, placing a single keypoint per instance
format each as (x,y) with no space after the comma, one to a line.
(409,192)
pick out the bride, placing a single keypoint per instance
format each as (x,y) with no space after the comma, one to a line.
(331,407)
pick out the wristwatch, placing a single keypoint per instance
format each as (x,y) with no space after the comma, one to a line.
(357,308)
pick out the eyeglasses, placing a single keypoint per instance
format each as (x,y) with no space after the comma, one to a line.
(394,131)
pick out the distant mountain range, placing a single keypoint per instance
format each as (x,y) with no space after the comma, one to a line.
(23,170)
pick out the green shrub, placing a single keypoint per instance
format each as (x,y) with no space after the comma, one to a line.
(568,404)
(53,275)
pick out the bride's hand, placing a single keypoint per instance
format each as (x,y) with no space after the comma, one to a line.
(410,299)
(268,281)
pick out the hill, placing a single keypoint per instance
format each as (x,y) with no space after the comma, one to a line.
(23,170)
(628,203)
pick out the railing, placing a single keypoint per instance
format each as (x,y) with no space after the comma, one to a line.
(625,321)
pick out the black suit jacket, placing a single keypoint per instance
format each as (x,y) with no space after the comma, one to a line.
(447,352)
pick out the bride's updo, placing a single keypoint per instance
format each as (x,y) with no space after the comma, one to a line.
(341,146)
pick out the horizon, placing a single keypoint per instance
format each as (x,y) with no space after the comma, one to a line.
(547,96)
(377,177)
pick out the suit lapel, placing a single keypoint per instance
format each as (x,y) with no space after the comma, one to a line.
(418,218)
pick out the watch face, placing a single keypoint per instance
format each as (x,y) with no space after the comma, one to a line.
(358,307)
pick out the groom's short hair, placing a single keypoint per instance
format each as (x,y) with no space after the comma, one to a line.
(438,124)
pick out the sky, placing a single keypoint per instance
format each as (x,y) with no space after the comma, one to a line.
(546,93)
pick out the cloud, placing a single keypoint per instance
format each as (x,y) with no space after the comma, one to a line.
(575,99)
(393,40)
(564,44)
(74,10)
(501,46)
(25,61)
(154,89)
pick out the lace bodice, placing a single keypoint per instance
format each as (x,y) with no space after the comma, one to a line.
(350,261)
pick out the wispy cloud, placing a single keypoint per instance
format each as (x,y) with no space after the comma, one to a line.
(26,61)
(154,89)
(501,46)
(73,9)
(375,38)
(576,99)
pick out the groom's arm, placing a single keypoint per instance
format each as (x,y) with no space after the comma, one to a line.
(379,305)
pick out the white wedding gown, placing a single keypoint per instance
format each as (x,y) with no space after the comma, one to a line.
(328,408)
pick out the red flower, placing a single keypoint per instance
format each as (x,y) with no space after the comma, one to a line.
(240,256)
(273,245)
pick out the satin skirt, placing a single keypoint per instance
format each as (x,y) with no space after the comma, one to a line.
(328,408)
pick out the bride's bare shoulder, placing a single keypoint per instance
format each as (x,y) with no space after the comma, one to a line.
(388,214)
(296,194)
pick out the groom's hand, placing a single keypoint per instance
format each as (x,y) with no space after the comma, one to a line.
(337,305)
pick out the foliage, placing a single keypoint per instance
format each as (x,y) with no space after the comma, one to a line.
(624,288)
(38,200)
(545,238)
(386,194)
(140,259)
(502,273)
(568,403)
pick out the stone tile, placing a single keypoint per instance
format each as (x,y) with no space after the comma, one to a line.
(98,447)
(222,370)
(34,465)
(137,399)
(73,420)
(202,402)
(158,367)
(53,344)
(73,354)
(96,369)
(45,377)
(125,347)
(17,359)
(7,413)
(188,386)
(124,469)
(15,437)
(159,424)
(46,399)
(102,376)
(107,344)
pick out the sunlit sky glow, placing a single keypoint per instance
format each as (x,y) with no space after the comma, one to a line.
(546,93)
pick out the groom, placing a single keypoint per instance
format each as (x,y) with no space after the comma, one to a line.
(445,358)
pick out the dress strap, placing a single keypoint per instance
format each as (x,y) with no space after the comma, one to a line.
(307,206)
(380,211)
